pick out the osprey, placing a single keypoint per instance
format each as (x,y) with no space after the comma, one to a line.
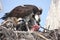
(28,13)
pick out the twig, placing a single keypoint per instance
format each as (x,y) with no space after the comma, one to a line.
(40,35)
(55,35)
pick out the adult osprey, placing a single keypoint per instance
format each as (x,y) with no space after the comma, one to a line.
(27,12)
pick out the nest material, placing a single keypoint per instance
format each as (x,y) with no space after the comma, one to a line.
(6,34)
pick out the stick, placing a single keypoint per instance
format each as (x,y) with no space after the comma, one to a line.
(41,36)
